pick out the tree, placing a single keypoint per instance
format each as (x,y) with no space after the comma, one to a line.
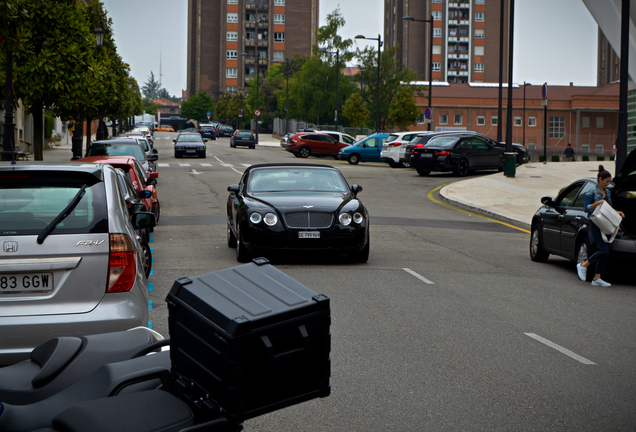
(403,110)
(229,106)
(329,40)
(391,79)
(197,106)
(354,111)
(151,88)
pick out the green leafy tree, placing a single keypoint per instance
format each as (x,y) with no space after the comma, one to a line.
(230,105)
(149,107)
(328,39)
(391,79)
(197,106)
(151,88)
(354,111)
(403,110)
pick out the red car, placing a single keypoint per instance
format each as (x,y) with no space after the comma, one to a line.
(140,179)
(305,144)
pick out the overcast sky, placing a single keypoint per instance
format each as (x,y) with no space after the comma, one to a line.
(555,40)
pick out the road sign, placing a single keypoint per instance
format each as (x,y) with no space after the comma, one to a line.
(427,113)
(257,113)
(208,114)
(544,91)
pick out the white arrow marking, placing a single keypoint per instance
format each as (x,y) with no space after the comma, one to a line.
(195,171)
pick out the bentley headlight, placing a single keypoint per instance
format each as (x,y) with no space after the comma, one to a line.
(270,219)
(358,218)
(256,218)
(344,218)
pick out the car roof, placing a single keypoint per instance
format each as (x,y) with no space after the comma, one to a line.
(89,168)
(286,165)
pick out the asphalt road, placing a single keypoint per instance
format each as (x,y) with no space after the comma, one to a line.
(449,326)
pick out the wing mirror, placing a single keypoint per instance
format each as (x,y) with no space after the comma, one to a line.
(143,220)
(138,207)
(355,189)
(145,194)
(155,151)
(233,188)
(548,201)
(154,175)
(152,157)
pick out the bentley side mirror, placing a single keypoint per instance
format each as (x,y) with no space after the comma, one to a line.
(355,189)
(547,201)
(233,188)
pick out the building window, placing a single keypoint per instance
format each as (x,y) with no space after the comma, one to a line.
(479,16)
(532,121)
(556,127)
(585,122)
(437,15)
(232,17)
(458,119)
(600,149)
(231,73)
(479,67)
(230,89)
(279,55)
(600,122)
(437,32)
(479,50)
(279,2)
(279,18)
(585,148)
(437,49)
(443,119)
(479,33)
(481,120)
(279,37)
(480,1)
(437,1)
(532,146)
(518,121)
(231,54)
(232,36)
(232,1)
(421,118)
(437,66)
(494,120)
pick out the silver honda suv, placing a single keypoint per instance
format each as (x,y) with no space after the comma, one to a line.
(69,258)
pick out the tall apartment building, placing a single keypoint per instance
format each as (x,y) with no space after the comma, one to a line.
(267,30)
(466,37)
(608,64)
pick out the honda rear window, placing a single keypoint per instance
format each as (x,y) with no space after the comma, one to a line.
(29,202)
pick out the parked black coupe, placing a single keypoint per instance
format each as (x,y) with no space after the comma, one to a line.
(460,153)
(296,207)
(561,225)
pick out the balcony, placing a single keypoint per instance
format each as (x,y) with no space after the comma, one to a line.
(250,42)
(262,43)
(256,6)
(250,24)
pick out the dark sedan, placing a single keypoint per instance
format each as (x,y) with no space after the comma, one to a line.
(460,153)
(296,207)
(561,226)
(189,144)
(226,131)
(207,131)
(243,138)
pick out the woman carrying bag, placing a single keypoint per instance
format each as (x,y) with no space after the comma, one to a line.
(593,199)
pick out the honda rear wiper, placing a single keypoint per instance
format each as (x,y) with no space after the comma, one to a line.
(59,218)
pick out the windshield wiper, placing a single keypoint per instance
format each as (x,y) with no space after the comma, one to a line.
(59,218)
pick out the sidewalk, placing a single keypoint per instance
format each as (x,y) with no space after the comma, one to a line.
(515,200)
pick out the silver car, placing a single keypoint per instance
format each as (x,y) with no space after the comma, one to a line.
(70,261)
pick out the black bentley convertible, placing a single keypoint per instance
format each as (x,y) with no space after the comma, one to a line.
(296,207)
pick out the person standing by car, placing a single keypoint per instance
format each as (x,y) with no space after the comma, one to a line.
(593,199)
(569,153)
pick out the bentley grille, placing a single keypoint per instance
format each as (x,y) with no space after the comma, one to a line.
(308,220)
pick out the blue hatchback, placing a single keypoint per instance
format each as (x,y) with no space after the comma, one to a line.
(366,150)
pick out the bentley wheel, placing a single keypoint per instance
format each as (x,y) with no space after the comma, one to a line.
(354,159)
(462,168)
(423,172)
(304,152)
(242,255)
(583,252)
(536,249)
(231,239)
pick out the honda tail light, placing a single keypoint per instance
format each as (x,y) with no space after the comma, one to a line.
(122,264)
(441,153)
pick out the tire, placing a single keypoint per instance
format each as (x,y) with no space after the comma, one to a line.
(363,255)
(336,157)
(296,155)
(394,165)
(157,212)
(242,254)
(231,238)
(583,252)
(253,147)
(204,156)
(176,156)
(354,159)
(537,253)
(462,169)
(423,172)
(304,152)
(146,258)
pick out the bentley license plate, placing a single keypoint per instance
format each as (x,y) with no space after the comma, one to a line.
(309,234)
(25,283)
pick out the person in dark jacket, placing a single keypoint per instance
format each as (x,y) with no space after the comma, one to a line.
(593,199)
(569,153)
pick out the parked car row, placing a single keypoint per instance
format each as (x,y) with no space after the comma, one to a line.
(74,260)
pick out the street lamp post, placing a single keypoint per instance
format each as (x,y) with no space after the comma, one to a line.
(8,142)
(524,111)
(337,80)
(377,93)
(430,64)
(361,91)
(256,62)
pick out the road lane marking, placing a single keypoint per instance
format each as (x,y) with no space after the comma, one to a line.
(559,348)
(430,197)
(227,165)
(195,171)
(164,165)
(206,165)
(220,161)
(184,165)
(419,276)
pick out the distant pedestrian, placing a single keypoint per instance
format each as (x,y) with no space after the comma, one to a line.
(593,199)
(569,153)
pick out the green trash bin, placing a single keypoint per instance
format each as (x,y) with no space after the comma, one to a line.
(510,166)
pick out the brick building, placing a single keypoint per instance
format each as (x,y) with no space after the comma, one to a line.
(466,37)
(586,117)
(267,30)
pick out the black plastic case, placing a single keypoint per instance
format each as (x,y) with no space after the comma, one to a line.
(249,339)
